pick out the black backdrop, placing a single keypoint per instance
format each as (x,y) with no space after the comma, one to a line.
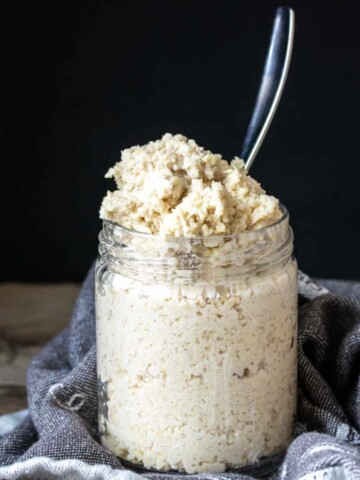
(83,80)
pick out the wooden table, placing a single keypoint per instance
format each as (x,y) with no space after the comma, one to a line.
(30,314)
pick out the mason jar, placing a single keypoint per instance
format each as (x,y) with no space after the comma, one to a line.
(196,348)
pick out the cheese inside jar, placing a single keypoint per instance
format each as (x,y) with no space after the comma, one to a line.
(196,310)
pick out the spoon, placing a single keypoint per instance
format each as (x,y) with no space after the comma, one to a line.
(272,83)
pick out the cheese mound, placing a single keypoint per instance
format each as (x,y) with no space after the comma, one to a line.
(175,187)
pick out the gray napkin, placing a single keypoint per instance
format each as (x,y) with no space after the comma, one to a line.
(58,438)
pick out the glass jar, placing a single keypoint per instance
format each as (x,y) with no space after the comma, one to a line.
(196,347)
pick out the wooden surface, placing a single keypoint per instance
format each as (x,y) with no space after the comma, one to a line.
(30,314)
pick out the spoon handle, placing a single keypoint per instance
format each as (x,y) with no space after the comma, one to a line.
(272,83)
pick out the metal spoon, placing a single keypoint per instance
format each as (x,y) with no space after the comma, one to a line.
(272,83)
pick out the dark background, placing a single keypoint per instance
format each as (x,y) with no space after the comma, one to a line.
(83,80)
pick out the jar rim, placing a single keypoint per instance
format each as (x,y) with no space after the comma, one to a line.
(247,233)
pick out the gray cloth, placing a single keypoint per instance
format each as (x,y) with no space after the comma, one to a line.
(58,438)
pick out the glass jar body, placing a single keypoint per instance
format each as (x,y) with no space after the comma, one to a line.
(197,375)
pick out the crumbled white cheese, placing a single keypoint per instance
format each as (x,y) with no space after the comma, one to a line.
(200,378)
(200,374)
(175,187)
